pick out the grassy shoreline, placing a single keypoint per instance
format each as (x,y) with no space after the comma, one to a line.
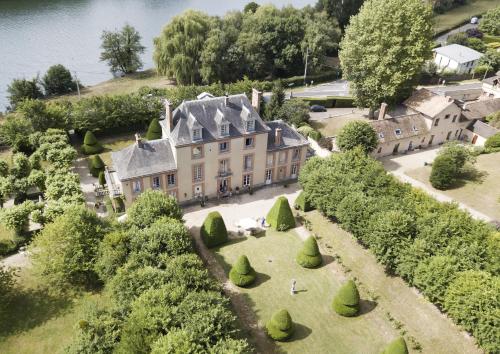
(461,14)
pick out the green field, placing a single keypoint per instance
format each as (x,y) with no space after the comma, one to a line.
(38,322)
(482,192)
(332,126)
(318,328)
(461,14)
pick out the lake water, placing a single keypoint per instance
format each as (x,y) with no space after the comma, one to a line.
(35,34)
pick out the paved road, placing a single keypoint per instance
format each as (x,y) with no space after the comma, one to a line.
(334,88)
(442,38)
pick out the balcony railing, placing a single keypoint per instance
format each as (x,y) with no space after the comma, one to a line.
(224,173)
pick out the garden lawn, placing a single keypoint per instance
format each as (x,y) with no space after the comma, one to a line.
(39,323)
(481,193)
(318,328)
(332,126)
(460,14)
(115,143)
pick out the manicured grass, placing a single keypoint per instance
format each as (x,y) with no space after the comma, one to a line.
(332,126)
(6,234)
(461,14)
(41,323)
(481,193)
(124,85)
(318,328)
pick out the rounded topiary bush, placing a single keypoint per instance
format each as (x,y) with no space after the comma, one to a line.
(90,144)
(280,217)
(213,231)
(302,204)
(96,165)
(280,327)
(154,130)
(242,274)
(309,256)
(346,301)
(397,346)
(444,172)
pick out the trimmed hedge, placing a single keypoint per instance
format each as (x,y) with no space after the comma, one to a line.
(443,173)
(280,217)
(154,130)
(102,178)
(213,231)
(331,101)
(96,165)
(90,144)
(242,274)
(280,327)
(302,204)
(346,302)
(397,346)
(492,144)
(309,256)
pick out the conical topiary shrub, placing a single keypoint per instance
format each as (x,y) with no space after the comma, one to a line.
(154,130)
(309,256)
(346,302)
(213,231)
(242,274)
(397,346)
(96,165)
(280,217)
(90,144)
(102,178)
(302,204)
(280,327)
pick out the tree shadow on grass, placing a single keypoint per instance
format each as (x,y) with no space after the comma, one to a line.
(469,175)
(31,307)
(327,259)
(366,306)
(259,280)
(300,332)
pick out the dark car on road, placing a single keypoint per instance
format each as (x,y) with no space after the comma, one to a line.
(317,108)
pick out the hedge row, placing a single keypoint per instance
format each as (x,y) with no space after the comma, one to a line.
(331,101)
(451,257)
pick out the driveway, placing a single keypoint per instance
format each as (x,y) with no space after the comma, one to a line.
(399,164)
(442,38)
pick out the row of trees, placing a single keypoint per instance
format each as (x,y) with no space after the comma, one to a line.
(56,81)
(162,298)
(261,42)
(451,257)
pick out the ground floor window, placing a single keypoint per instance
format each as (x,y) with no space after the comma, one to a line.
(293,170)
(171,179)
(247,180)
(269,175)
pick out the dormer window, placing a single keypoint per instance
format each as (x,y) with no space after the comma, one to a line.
(197,134)
(398,132)
(224,129)
(250,125)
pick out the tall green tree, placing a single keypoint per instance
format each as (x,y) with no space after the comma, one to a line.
(357,133)
(122,49)
(180,44)
(490,22)
(58,81)
(272,109)
(21,89)
(384,49)
(342,10)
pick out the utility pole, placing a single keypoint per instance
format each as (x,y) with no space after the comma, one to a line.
(305,68)
(77,85)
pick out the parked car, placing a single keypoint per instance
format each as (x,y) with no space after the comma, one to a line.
(474,20)
(317,108)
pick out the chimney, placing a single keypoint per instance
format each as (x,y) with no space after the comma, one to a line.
(169,118)
(138,140)
(226,99)
(277,136)
(382,112)
(256,99)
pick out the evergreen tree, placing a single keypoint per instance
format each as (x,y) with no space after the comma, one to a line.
(154,130)
(276,102)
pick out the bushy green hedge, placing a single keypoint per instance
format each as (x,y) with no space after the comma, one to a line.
(397,346)
(346,301)
(309,256)
(315,135)
(154,130)
(280,327)
(492,144)
(302,204)
(280,217)
(413,235)
(213,231)
(102,178)
(242,274)
(96,165)
(90,144)
(331,101)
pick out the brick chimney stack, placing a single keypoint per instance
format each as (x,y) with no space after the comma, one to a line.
(226,99)
(138,140)
(383,111)
(169,117)
(277,136)
(256,99)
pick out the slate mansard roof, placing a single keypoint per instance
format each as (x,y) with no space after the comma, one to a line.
(207,111)
(143,159)
(289,137)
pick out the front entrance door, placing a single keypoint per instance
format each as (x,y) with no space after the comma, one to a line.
(223,185)
(198,190)
(269,176)
(410,146)
(396,148)
(474,139)
(281,173)
(431,139)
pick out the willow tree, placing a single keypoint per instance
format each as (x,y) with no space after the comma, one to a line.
(180,44)
(384,49)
